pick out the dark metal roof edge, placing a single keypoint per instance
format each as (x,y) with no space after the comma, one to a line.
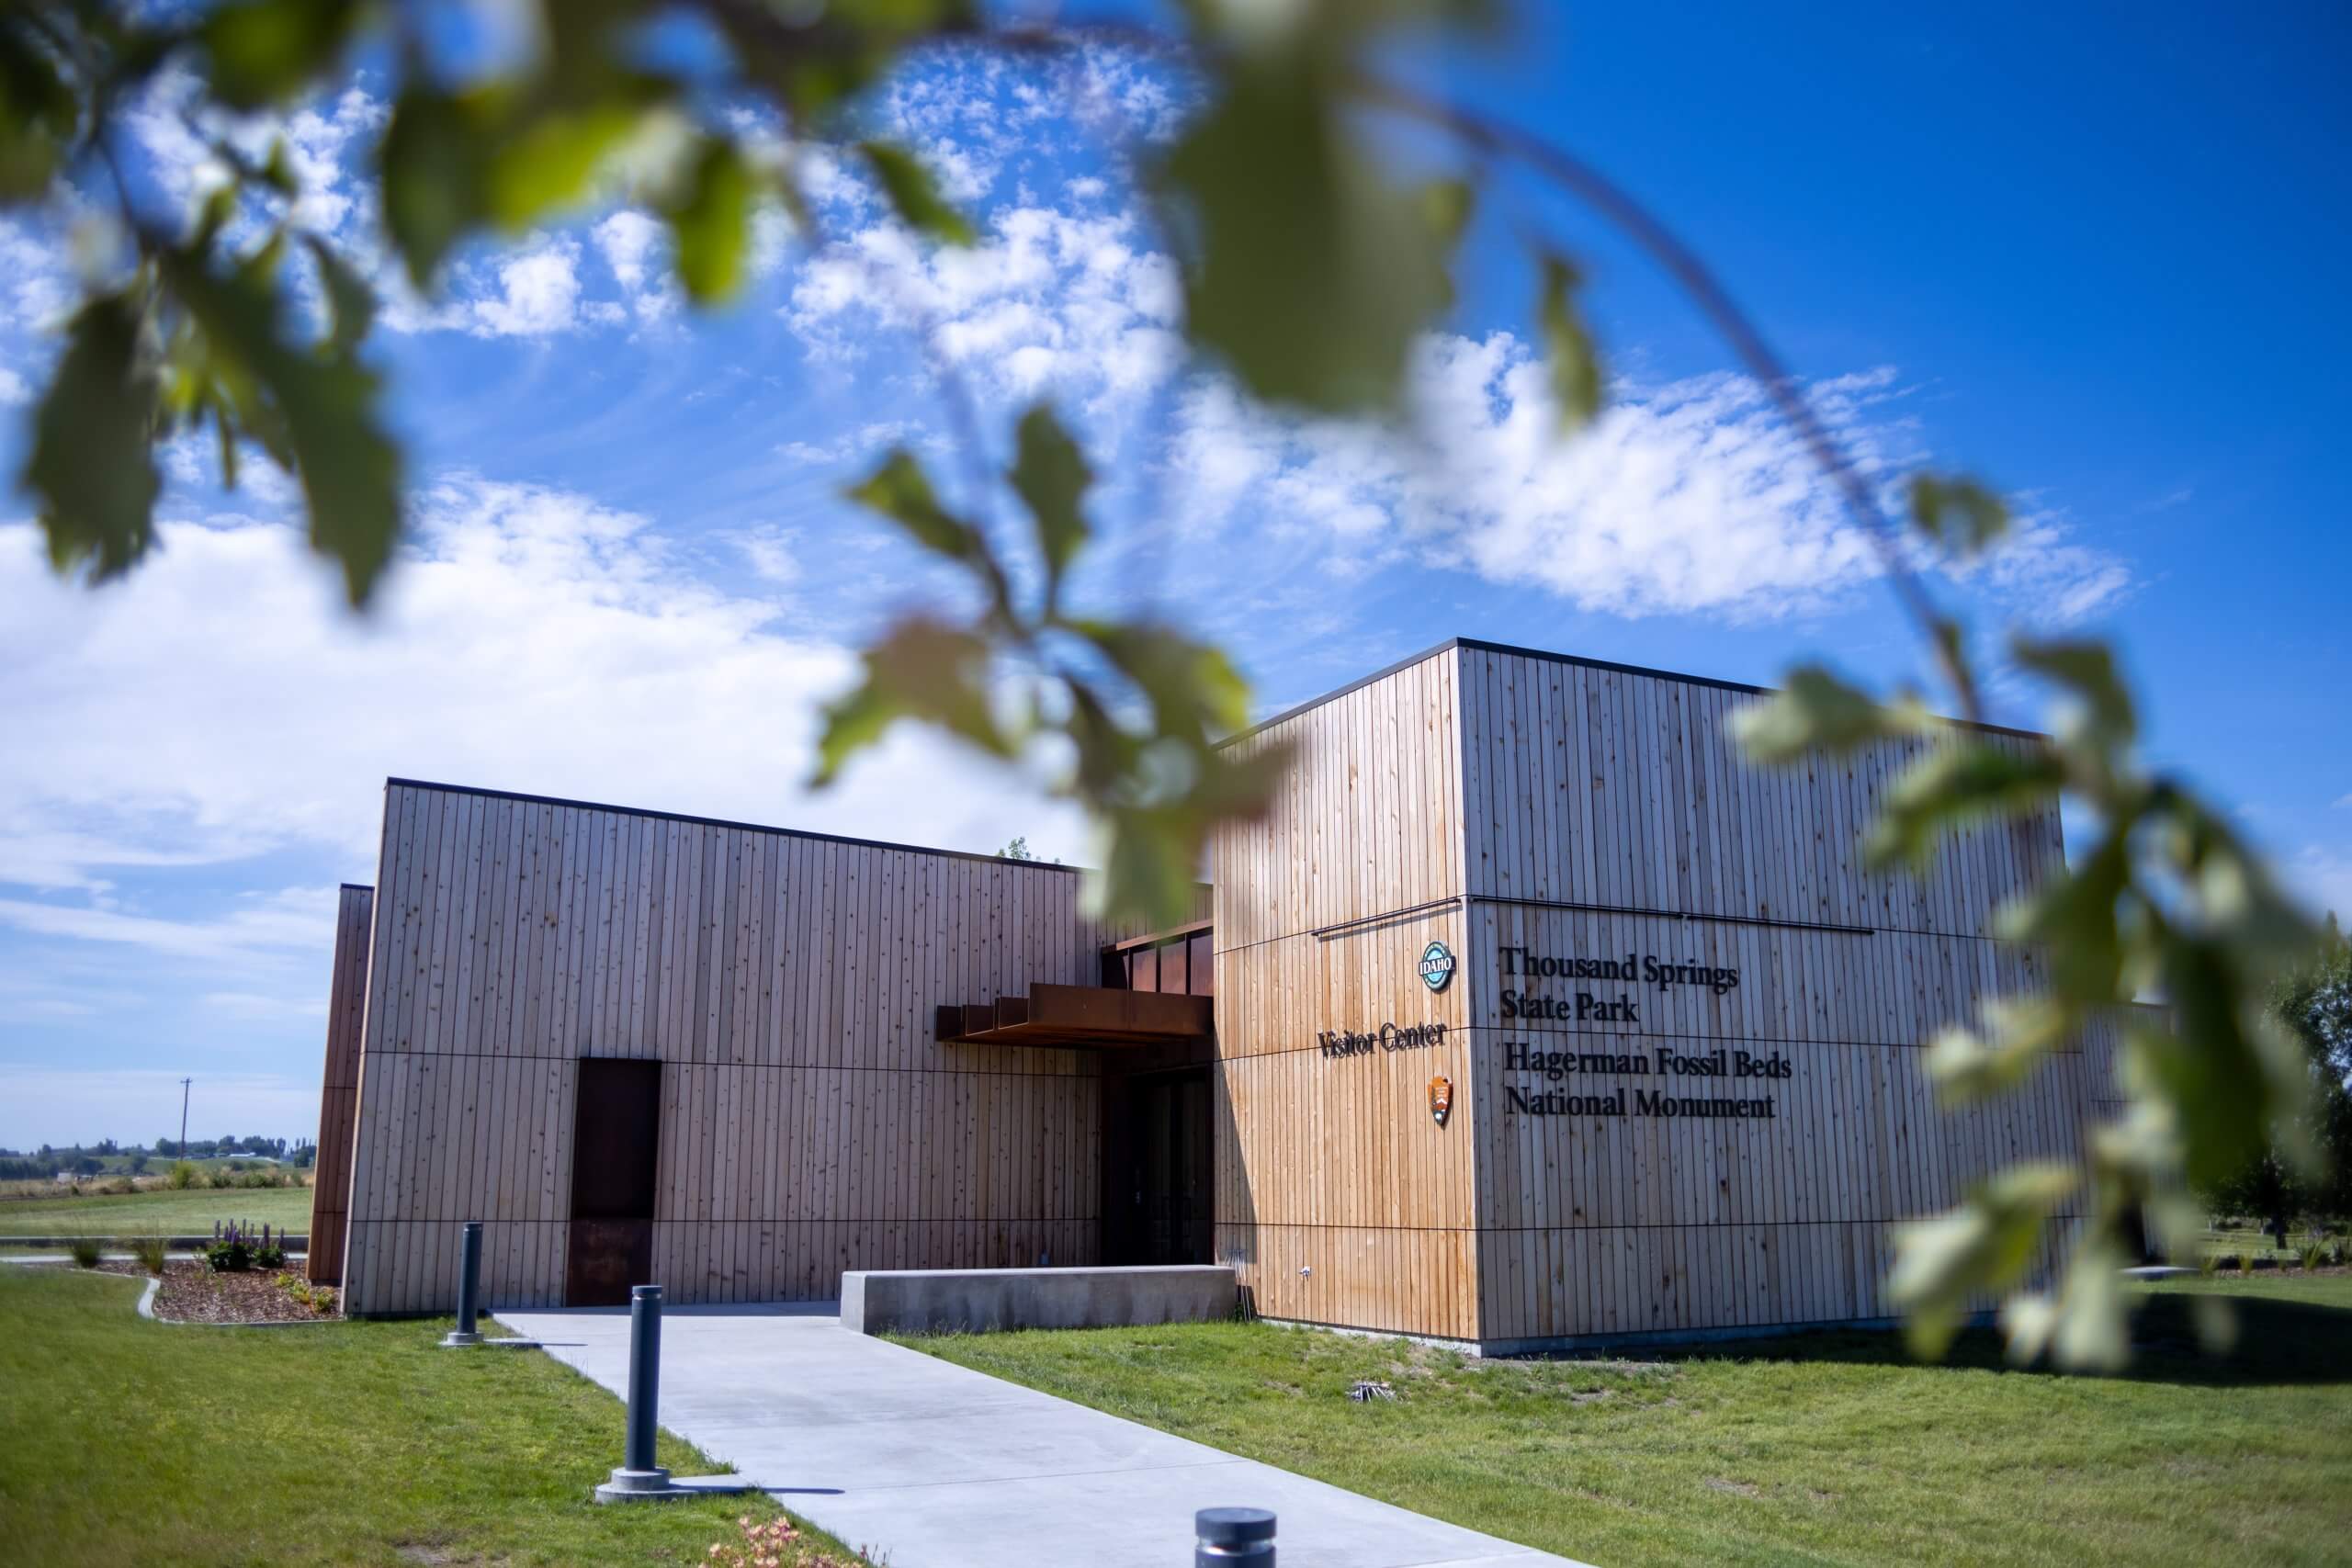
(356,887)
(723,822)
(1549,656)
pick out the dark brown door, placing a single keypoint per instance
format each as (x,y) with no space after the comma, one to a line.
(616,1150)
(1169,1144)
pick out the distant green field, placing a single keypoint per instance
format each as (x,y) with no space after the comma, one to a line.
(174,1213)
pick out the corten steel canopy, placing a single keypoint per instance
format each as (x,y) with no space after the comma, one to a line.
(1060,1017)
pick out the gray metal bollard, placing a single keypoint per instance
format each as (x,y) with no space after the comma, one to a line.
(468,1287)
(638,1476)
(1227,1536)
(644,1376)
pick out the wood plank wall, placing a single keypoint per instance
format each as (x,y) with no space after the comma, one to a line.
(1597,787)
(1491,783)
(810,1123)
(1339,1198)
(339,1100)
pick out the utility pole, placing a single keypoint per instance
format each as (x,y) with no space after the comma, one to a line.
(183,1148)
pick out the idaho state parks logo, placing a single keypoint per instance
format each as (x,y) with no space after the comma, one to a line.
(1437,969)
(1441,1098)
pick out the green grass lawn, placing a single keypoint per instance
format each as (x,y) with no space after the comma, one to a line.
(131,1442)
(188,1213)
(1828,1448)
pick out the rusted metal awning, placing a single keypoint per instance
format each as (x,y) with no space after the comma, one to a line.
(1060,1016)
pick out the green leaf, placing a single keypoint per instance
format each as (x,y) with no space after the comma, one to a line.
(266,50)
(433,162)
(1194,691)
(550,161)
(1306,271)
(898,490)
(2086,672)
(1813,710)
(713,224)
(325,406)
(2230,1075)
(91,463)
(352,302)
(923,670)
(913,194)
(2073,917)
(37,116)
(1573,362)
(278,169)
(2083,1327)
(1960,514)
(1052,476)
(1959,781)
(1447,206)
(1982,1246)
(1966,1067)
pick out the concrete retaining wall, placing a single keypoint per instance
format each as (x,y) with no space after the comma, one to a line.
(947,1300)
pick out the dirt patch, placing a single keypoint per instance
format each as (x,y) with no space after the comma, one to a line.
(192,1292)
(1737,1488)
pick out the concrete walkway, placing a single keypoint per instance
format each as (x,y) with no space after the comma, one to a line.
(928,1465)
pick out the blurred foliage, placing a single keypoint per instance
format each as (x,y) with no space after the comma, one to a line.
(1310,260)
(2313,1002)
(2166,902)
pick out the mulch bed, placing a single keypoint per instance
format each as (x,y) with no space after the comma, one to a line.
(192,1292)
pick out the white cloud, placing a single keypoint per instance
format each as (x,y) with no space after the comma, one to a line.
(771,553)
(868,437)
(1693,497)
(637,251)
(538,293)
(219,704)
(1053,303)
(13,390)
(296,919)
(2344,801)
(322,140)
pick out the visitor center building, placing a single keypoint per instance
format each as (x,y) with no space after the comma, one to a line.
(1530,1015)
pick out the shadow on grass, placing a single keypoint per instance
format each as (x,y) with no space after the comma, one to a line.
(2277,1342)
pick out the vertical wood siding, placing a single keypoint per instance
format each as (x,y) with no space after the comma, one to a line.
(1502,785)
(1339,1198)
(339,1100)
(810,1123)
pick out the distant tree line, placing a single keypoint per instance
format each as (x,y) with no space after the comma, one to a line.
(90,1160)
(2314,1004)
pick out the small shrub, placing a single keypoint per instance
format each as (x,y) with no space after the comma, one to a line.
(223,1179)
(85,1251)
(231,1252)
(2245,1262)
(269,1255)
(2313,1256)
(150,1251)
(182,1177)
(2209,1263)
(320,1298)
(2340,1254)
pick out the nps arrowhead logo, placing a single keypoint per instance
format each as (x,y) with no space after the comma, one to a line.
(1437,965)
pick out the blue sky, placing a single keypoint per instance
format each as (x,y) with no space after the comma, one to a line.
(2091,254)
